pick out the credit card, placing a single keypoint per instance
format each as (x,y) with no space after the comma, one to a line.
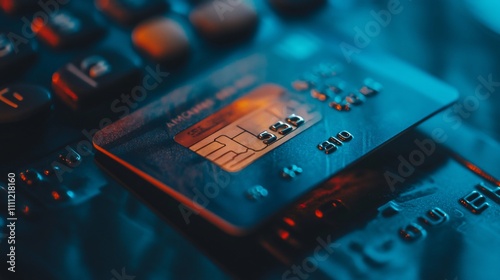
(239,144)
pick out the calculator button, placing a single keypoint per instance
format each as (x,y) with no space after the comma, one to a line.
(161,39)
(95,78)
(131,11)
(223,25)
(15,56)
(70,158)
(22,106)
(296,7)
(66,29)
(30,177)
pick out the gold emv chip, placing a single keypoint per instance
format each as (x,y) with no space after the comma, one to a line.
(248,128)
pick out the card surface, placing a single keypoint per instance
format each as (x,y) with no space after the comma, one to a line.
(242,143)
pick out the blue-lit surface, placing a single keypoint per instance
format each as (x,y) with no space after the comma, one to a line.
(108,229)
